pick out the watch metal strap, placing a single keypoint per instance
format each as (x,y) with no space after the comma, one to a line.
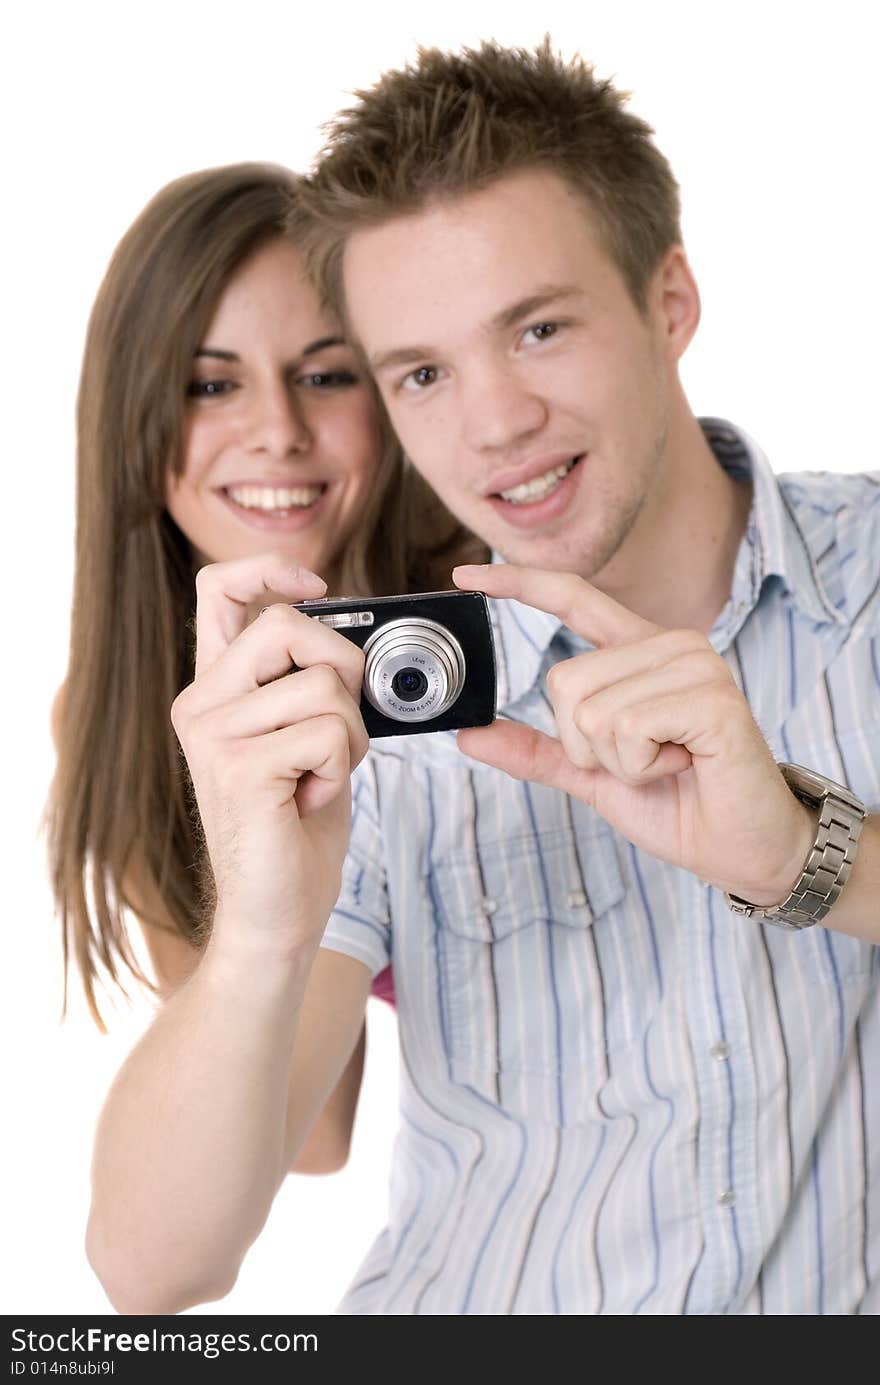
(827,867)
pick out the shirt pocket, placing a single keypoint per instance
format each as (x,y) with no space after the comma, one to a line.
(520,989)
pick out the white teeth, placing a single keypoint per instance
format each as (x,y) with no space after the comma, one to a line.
(542,485)
(274,497)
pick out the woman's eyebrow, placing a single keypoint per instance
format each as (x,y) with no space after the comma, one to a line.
(216,354)
(321,345)
(313,347)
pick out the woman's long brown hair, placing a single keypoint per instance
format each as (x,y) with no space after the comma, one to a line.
(121,819)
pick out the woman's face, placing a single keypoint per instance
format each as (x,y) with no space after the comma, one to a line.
(281,443)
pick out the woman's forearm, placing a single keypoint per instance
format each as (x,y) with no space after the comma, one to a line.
(200,1126)
(190,1147)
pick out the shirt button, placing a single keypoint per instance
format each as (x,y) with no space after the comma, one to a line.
(490,905)
(577,899)
(720,1051)
(727,1198)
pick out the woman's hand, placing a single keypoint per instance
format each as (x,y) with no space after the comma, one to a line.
(271,730)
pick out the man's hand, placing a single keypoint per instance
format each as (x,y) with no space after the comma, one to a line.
(655,735)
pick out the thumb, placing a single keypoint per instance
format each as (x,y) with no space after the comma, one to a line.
(525,753)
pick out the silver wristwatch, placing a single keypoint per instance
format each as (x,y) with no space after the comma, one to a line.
(831,857)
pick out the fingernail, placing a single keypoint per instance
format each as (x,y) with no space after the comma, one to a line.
(308,579)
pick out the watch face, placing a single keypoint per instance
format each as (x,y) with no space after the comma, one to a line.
(804,782)
(814,787)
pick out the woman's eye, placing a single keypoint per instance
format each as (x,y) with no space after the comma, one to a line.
(421,378)
(208,389)
(542,330)
(330,379)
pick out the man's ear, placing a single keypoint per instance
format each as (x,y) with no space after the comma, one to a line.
(675,301)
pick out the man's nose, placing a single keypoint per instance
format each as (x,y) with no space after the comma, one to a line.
(277,424)
(499,409)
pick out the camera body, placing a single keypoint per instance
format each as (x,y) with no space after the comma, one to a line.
(430,658)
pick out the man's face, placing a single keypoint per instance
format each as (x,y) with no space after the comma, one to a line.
(519,375)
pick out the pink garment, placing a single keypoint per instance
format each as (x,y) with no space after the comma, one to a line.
(383,986)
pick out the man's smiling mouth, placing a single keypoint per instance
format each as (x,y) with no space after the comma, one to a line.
(540,487)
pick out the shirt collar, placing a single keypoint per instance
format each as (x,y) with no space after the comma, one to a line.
(773,546)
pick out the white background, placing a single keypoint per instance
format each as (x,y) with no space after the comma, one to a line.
(768,112)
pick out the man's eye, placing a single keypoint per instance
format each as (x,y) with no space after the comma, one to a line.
(419,379)
(542,330)
(208,389)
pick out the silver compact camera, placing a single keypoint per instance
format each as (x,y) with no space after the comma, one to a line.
(430,658)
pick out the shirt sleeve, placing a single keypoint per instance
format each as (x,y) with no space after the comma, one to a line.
(360,924)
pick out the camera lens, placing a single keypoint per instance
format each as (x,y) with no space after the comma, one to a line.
(409,684)
(415,669)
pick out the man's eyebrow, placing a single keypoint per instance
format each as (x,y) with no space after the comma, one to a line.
(401,355)
(543,297)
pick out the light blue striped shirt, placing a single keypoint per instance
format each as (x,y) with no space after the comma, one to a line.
(616,1096)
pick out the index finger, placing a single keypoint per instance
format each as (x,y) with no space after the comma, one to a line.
(581,607)
(225,591)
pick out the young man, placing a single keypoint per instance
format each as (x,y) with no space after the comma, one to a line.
(618,1096)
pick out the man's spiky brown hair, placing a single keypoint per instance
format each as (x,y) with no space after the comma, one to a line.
(452,123)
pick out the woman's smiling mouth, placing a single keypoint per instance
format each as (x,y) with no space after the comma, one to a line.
(284,508)
(275,499)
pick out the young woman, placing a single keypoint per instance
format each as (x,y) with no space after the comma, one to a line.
(220,415)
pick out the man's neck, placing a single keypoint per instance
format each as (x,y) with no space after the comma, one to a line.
(676,566)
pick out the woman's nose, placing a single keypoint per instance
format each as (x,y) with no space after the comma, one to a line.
(277,425)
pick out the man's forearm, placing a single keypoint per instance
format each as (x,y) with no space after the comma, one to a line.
(190,1148)
(857,910)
